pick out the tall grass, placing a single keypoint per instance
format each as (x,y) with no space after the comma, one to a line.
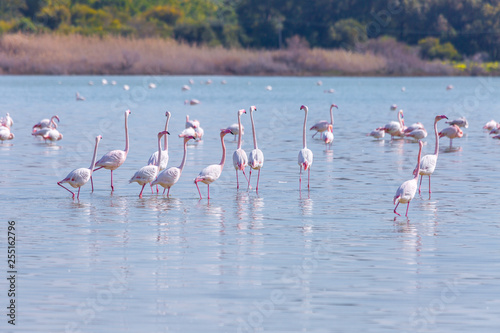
(76,54)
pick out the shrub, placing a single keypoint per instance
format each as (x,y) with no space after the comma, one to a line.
(431,48)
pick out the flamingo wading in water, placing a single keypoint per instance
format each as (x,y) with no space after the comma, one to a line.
(406,191)
(322,125)
(240,159)
(428,163)
(212,172)
(164,155)
(79,177)
(167,178)
(256,157)
(114,159)
(305,158)
(148,173)
(451,132)
(395,128)
(46,123)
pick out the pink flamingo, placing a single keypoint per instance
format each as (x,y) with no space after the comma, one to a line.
(148,173)
(167,178)
(377,133)
(79,177)
(114,159)
(406,191)
(460,122)
(240,159)
(395,128)
(305,158)
(5,133)
(429,162)
(322,125)
(256,157)
(451,132)
(7,121)
(164,155)
(212,172)
(191,123)
(327,136)
(413,127)
(417,134)
(46,123)
(491,125)
(52,135)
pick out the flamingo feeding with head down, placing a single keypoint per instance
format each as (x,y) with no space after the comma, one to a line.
(406,191)
(46,123)
(377,133)
(395,128)
(79,177)
(167,178)
(114,159)
(327,136)
(256,157)
(322,125)
(305,158)
(5,133)
(240,159)
(492,124)
(148,173)
(451,132)
(164,155)
(212,172)
(428,163)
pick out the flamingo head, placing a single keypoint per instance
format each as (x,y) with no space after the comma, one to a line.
(330,128)
(438,118)
(334,106)
(189,137)
(162,134)
(240,112)
(225,131)
(253,108)
(168,114)
(303,107)
(97,138)
(127,112)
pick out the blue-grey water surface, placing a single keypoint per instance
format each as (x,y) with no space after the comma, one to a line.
(332,259)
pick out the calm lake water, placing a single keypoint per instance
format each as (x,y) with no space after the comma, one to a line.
(332,259)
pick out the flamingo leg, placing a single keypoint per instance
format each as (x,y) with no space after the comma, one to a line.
(420,183)
(112,187)
(258,176)
(92,183)
(249,177)
(315,134)
(308,176)
(237,182)
(300,178)
(196,183)
(208,186)
(396,208)
(99,168)
(244,174)
(151,188)
(58,183)
(142,189)
(168,193)
(429,184)
(78,196)
(407,206)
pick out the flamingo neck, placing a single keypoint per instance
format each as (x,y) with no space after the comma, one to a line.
(401,121)
(223,160)
(184,157)
(331,114)
(159,152)
(418,163)
(165,138)
(126,134)
(304,143)
(436,149)
(92,164)
(52,122)
(239,130)
(253,131)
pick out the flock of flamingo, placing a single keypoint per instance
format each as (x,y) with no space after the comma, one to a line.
(157,173)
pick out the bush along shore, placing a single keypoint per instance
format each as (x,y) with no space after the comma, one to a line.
(56,54)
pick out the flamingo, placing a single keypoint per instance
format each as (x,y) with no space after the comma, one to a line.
(327,136)
(406,191)
(188,132)
(192,102)
(394,107)
(496,137)
(199,132)
(256,157)
(79,177)
(167,178)
(46,123)
(148,173)
(322,125)
(451,132)
(114,159)
(240,159)
(212,172)
(5,134)
(395,128)
(7,121)
(52,135)
(413,127)
(491,125)
(377,133)
(495,130)
(191,123)
(164,155)
(460,122)
(305,158)
(79,97)
(428,163)
(195,124)
(417,134)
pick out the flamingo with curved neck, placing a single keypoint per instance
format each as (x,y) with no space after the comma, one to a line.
(114,159)
(406,191)
(212,172)
(429,162)
(256,157)
(305,158)
(79,177)
(322,125)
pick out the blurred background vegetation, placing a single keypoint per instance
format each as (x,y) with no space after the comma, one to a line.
(459,32)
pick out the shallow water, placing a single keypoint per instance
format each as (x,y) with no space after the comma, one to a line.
(332,259)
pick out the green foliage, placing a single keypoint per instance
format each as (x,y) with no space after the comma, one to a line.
(166,14)
(431,48)
(53,15)
(347,33)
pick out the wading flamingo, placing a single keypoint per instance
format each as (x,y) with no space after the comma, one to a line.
(188,132)
(5,134)
(148,173)
(114,159)
(164,154)
(46,123)
(212,172)
(79,177)
(395,128)
(234,130)
(451,132)
(322,125)
(417,134)
(428,163)
(256,157)
(460,122)
(377,133)
(406,191)
(240,159)
(191,123)
(167,178)
(413,127)
(490,125)
(327,136)
(52,135)
(7,121)
(305,158)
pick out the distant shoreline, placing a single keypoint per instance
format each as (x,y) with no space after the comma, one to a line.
(45,54)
